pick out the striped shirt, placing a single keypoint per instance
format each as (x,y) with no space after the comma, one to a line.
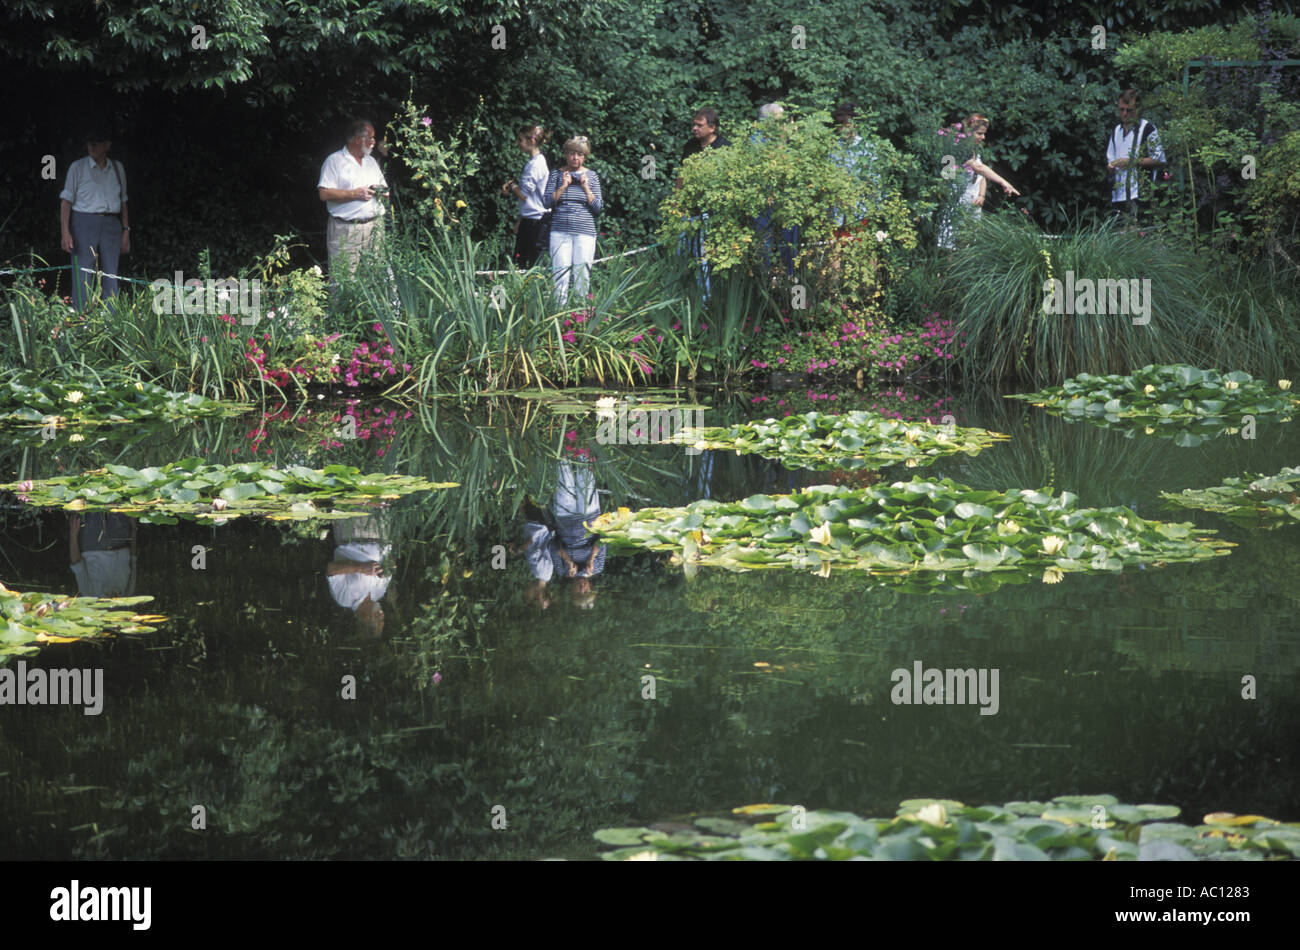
(572,214)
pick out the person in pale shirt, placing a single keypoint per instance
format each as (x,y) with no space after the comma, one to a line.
(350,179)
(101,553)
(1133,148)
(356,576)
(93,215)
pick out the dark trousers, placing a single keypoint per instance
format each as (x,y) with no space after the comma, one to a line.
(528,241)
(1135,210)
(96,245)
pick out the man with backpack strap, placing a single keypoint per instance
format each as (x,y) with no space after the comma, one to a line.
(93,215)
(1134,146)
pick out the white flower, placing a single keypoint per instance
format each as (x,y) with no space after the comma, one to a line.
(76,437)
(933,814)
(1148,388)
(881,235)
(1053,544)
(1284,384)
(1008,527)
(1053,575)
(315,269)
(1229,384)
(822,535)
(74,396)
(218,504)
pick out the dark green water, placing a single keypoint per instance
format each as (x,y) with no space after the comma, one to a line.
(1127,684)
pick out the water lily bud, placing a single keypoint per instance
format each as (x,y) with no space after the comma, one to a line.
(822,535)
(218,504)
(1229,384)
(1284,384)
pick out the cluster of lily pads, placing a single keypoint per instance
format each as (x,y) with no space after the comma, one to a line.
(1263,501)
(31,619)
(917,526)
(196,490)
(27,398)
(1177,401)
(851,440)
(1069,828)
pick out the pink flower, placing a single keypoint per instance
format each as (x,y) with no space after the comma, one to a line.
(426,122)
(437,678)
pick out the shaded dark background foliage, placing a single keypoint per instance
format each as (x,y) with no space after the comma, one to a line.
(223,145)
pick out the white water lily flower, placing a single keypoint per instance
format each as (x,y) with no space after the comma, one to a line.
(1053,544)
(76,437)
(825,569)
(1148,430)
(140,386)
(74,396)
(1148,388)
(911,463)
(822,535)
(933,814)
(1053,575)
(1008,527)
(218,504)
(1284,384)
(1229,384)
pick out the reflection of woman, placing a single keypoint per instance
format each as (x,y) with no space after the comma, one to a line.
(101,552)
(530,189)
(536,544)
(356,576)
(577,555)
(573,192)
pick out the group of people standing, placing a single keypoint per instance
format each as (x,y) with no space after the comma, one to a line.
(558,208)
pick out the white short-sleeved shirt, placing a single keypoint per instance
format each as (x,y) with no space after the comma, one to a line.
(93,189)
(351,590)
(533,184)
(1122,145)
(343,171)
(105,573)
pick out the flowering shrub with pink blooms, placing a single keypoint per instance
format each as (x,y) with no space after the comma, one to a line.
(866,342)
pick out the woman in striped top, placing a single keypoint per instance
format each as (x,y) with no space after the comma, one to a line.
(573,195)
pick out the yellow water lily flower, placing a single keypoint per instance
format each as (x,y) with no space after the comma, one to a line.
(1284,384)
(74,396)
(822,535)
(1053,544)
(1148,430)
(1229,384)
(1148,388)
(1053,575)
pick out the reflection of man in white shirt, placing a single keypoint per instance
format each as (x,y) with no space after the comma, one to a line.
(349,181)
(1133,147)
(101,552)
(356,576)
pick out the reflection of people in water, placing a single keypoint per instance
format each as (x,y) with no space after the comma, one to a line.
(576,555)
(101,551)
(536,545)
(356,575)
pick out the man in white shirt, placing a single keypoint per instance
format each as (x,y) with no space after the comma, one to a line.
(93,215)
(1134,146)
(349,181)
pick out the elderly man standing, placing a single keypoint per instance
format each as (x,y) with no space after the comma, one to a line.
(93,214)
(349,181)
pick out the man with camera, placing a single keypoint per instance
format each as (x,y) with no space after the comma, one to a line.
(349,182)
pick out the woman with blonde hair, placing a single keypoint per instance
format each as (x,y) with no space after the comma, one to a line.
(530,189)
(574,197)
(973,181)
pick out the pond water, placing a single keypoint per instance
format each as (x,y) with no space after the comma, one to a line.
(485,726)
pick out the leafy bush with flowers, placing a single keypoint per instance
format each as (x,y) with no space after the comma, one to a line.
(440,168)
(341,431)
(896,402)
(860,341)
